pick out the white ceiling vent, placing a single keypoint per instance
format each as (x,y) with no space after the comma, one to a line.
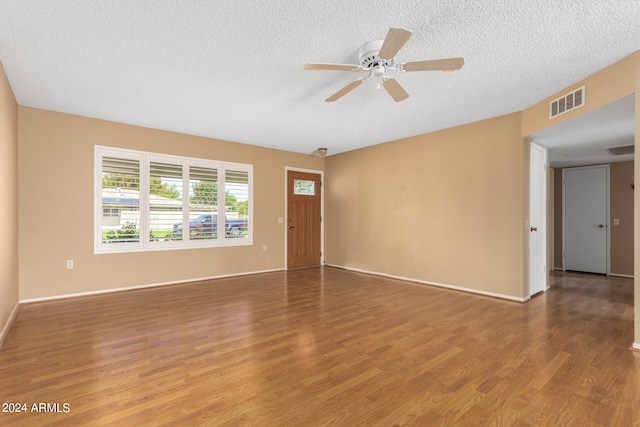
(566,103)
(620,151)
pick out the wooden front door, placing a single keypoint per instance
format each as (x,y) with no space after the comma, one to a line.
(303,219)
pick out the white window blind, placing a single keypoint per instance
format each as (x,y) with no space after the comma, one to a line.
(236,187)
(120,197)
(165,200)
(203,203)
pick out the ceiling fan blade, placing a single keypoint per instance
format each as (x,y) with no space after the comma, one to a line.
(394,89)
(449,64)
(345,90)
(334,67)
(395,40)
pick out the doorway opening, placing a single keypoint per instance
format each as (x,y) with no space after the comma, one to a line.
(587,141)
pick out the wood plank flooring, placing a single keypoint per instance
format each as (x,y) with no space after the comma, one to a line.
(323,346)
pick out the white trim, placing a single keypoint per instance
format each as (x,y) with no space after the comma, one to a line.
(636,346)
(626,276)
(152,285)
(440,285)
(286,210)
(7,326)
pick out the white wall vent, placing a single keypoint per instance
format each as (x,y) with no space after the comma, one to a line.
(567,103)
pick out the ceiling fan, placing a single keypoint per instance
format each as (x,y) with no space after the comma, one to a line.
(377,57)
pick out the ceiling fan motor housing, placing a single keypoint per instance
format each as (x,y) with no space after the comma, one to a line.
(369,58)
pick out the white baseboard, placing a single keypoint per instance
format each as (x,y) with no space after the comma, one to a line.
(152,285)
(626,276)
(636,346)
(7,325)
(440,285)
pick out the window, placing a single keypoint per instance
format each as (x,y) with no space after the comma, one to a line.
(115,212)
(143,201)
(203,202)
(120,191)
(236,184)
(303,187)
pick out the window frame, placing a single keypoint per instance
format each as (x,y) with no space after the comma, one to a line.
(144,222)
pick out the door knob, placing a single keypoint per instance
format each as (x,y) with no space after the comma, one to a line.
(534,228)
(292,226)
(600,225)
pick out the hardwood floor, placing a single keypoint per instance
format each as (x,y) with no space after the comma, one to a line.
(322,346)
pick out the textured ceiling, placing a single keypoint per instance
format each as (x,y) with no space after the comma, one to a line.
(233,70)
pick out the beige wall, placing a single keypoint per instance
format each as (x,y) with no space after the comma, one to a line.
(621,207)
(445,207)
(56,200)
(9,197)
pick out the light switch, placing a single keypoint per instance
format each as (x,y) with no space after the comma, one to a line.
(616,221)
(280,220)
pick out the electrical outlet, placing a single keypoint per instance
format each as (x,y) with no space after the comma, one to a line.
(69,264)
(264,248)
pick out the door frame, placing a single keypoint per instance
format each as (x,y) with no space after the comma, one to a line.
(544,208)
(286,211)
(607,207)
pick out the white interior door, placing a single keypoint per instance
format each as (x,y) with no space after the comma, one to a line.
(586,219)
(537,220)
